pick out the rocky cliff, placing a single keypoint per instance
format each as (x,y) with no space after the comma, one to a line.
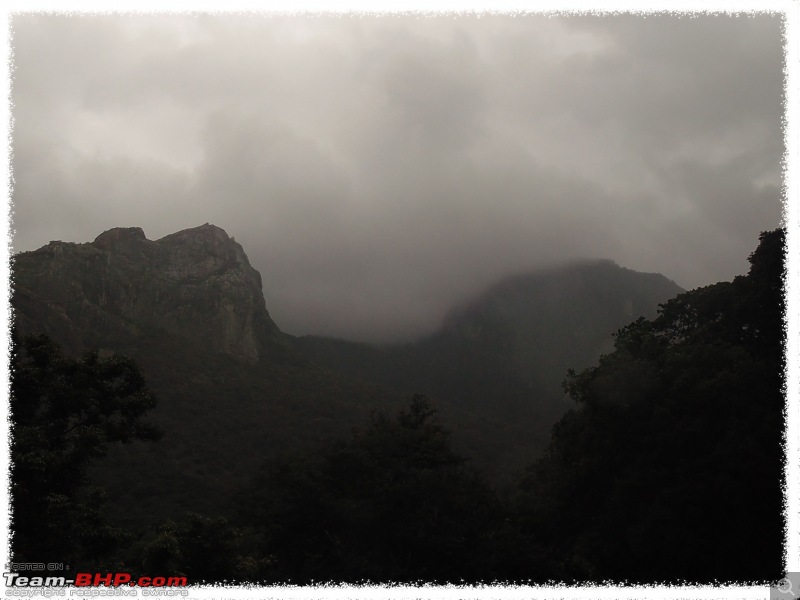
(196,284)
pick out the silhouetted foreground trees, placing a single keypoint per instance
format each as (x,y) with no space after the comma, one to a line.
(64,414)
(393,503)
(668,469)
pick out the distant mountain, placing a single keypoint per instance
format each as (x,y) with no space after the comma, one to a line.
(546,322)
(497,363)
(234,389)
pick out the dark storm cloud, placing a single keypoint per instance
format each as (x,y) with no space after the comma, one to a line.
(377,170)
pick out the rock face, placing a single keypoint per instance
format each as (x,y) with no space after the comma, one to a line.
(196,284)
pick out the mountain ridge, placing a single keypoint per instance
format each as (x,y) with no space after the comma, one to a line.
(498,361)
(190,309)
(530,301)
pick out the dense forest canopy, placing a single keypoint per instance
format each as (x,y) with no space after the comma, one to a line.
(670,466)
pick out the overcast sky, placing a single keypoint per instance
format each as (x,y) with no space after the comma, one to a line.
(378,170)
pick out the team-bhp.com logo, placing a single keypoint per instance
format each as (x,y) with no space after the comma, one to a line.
(93,580)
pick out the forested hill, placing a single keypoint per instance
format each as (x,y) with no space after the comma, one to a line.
(529,328)
(670,466)
(497,364)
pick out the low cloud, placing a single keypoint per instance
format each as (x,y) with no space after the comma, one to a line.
(377,170)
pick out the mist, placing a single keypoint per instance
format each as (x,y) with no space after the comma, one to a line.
(380,169)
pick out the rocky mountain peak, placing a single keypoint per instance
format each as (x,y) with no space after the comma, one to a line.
(210,237)
(119,237)
(196,284)
(204,251)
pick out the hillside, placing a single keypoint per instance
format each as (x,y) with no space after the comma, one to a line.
(233,389)
(497,364)
(189,309)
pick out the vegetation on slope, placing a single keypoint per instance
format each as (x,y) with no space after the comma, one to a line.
(668,468)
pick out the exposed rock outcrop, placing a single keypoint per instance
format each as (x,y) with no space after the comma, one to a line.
(196,284)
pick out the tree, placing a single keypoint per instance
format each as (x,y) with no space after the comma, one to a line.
(392,503)
(670,466)
(65,413)
(204,549)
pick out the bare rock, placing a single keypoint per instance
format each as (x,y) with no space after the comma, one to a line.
(196,284)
